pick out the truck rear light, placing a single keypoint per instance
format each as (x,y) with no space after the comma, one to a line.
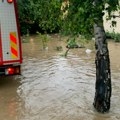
(12,71)
(9,1)
(17,70)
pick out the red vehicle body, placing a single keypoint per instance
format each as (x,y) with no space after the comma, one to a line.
(10,43)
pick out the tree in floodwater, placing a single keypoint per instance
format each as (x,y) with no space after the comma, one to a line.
(86,16)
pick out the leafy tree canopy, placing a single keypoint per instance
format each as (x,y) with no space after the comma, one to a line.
(43,14)
(46,15)
(82,14)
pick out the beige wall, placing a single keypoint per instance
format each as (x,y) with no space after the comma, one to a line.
(108,26)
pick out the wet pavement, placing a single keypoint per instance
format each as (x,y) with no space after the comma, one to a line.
(53,87)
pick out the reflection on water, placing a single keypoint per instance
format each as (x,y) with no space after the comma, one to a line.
(56,88)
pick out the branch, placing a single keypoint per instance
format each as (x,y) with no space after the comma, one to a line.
(114,16)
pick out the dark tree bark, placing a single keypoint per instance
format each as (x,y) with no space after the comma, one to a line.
(103,74)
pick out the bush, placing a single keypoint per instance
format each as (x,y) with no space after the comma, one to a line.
(114,36)
(39,15)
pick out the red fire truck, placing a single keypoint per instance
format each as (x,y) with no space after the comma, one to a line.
(10,43)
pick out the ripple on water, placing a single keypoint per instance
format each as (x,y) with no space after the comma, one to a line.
(58,88)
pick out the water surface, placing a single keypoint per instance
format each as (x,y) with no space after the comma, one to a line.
(53,87)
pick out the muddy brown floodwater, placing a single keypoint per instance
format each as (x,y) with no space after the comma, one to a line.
(53,87)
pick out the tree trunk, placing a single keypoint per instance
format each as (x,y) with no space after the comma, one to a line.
(103,74)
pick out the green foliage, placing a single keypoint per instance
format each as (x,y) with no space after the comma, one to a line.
(82,40)
(82,14)
(39,15)
(77,20)
(71,43)
(25,15)
(46,15)
(114,36)
(47,12)
(112,6)
(44,38)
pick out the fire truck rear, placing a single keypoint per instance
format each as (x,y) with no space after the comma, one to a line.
(10,43)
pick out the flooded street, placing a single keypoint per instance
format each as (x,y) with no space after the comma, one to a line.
(53,87)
